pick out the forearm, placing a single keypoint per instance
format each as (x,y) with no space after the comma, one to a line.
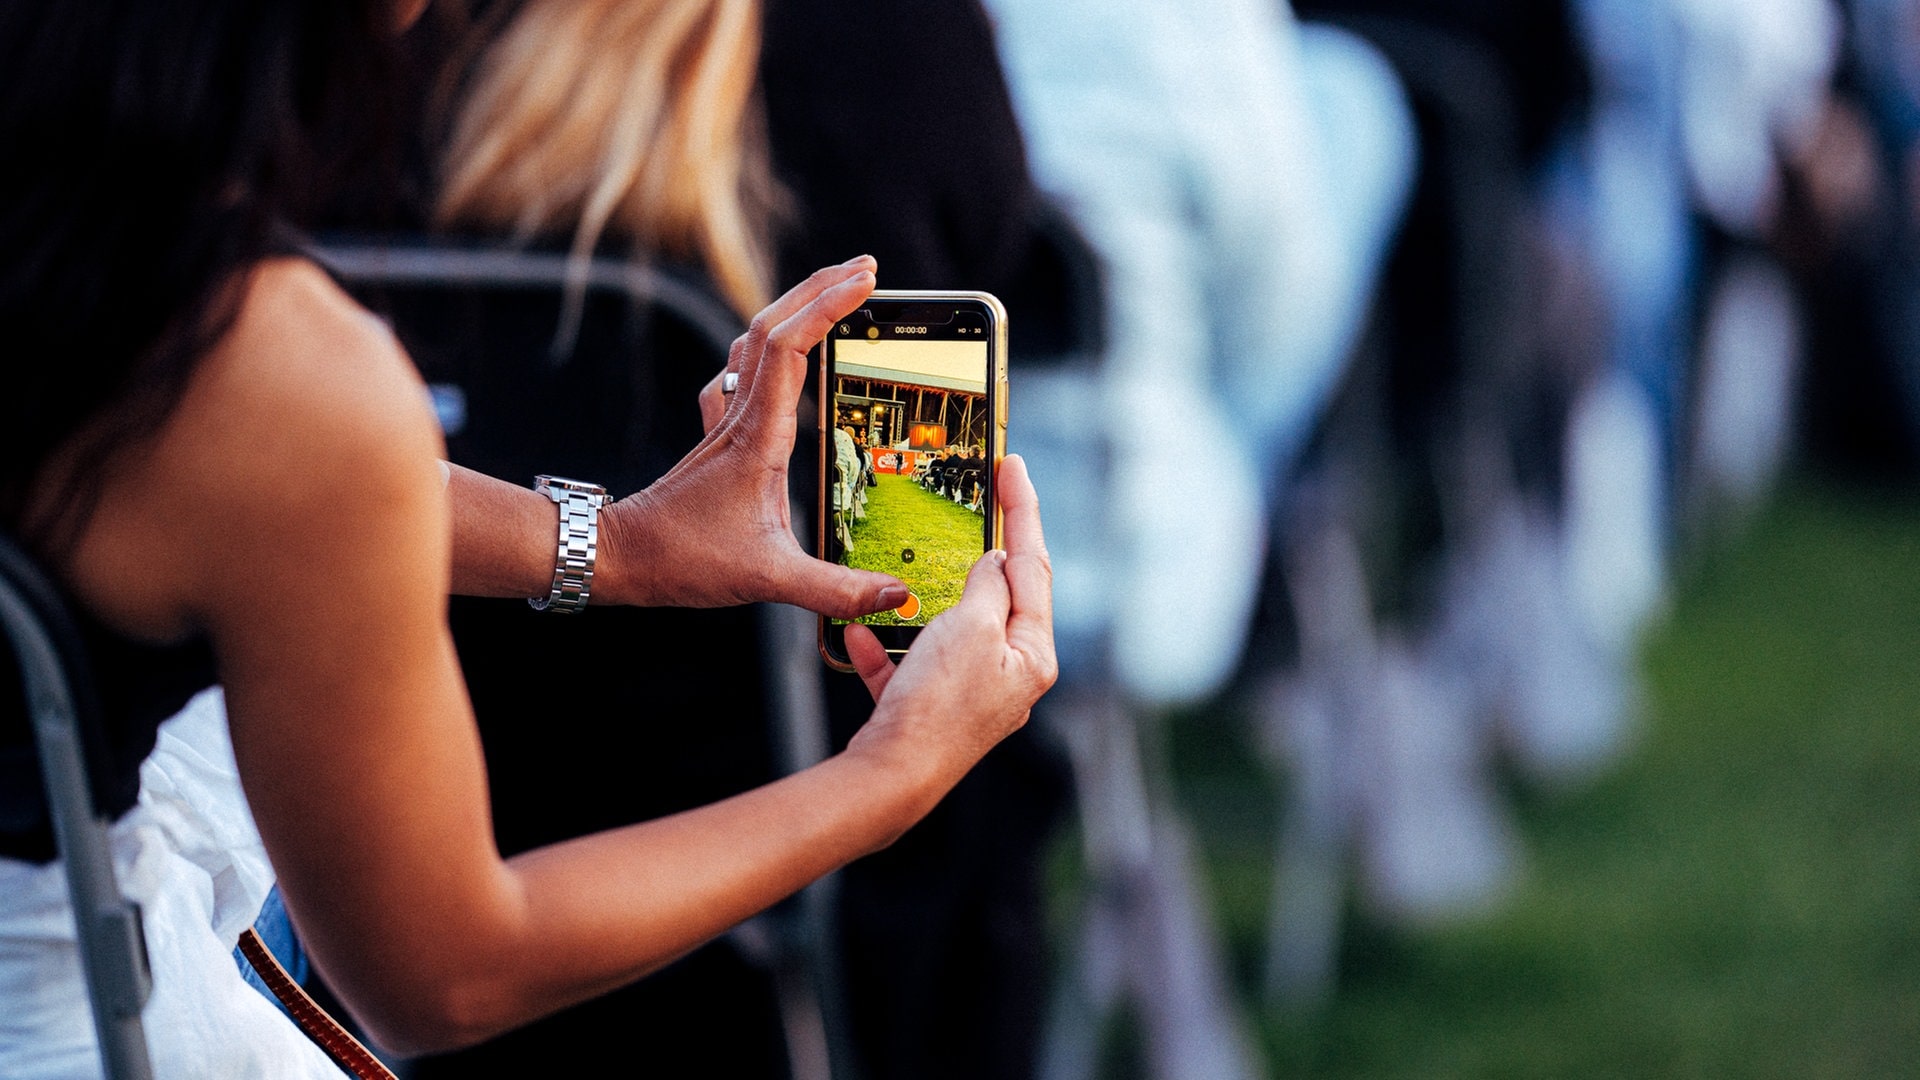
(635,899)
(595,913)
(505,539)
(504,536)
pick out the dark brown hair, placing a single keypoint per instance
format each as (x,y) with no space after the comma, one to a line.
(153,151)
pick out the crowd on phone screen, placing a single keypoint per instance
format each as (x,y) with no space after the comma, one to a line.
(957,472)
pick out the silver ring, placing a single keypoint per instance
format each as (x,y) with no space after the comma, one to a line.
(729,382)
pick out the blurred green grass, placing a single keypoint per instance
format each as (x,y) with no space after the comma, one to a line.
(1739,897)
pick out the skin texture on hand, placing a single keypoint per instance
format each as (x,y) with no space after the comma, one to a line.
(717,528)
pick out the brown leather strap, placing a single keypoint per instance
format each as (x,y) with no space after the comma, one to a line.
(340,1045)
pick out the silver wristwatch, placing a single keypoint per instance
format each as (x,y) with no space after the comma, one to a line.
(580,504)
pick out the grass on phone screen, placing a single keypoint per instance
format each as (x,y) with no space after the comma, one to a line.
(945,539)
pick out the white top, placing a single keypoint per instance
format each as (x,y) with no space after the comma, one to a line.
(189,855)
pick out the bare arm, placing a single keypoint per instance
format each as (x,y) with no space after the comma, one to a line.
(504,536)
(295,509)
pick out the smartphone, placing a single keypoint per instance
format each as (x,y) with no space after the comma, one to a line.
(913,420)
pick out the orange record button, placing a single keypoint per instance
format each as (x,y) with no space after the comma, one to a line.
(909,609)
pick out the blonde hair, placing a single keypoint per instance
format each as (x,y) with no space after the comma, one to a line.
(632,115)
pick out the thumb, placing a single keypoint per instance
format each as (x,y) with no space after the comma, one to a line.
(838,591)
(869,658)
(987,593)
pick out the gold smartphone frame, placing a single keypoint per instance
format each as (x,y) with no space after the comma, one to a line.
(996,429)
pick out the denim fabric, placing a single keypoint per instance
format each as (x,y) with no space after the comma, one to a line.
(188,854)
(276,932)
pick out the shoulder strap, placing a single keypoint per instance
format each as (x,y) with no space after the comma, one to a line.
(326,1032)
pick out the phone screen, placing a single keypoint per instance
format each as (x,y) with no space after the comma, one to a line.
(907,463)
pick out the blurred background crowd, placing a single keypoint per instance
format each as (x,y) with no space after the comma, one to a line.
(1409,385)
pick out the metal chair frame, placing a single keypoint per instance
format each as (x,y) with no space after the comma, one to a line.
(60,702)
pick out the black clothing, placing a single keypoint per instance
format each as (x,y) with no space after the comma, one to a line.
(666,717)
(892,127)
(138,686)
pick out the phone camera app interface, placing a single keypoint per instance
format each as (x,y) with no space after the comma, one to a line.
(908,460)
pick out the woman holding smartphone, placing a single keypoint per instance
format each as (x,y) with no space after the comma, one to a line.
(230,469)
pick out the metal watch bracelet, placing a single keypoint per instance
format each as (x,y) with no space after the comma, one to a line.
(579,504)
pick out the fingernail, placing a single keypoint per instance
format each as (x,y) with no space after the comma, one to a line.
(893,596)
(999,557)
(857,259)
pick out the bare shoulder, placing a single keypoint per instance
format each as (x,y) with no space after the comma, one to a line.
(303,423)
(303,352)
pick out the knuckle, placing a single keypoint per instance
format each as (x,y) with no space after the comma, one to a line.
(793,332)
(854,595)
(1044,561)
(1048,671)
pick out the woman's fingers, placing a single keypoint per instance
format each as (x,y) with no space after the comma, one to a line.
(713,403)
(749,351)
(1020,505)
(1029,572)
(986,592)
(783,367)
(869,658)
(786,304)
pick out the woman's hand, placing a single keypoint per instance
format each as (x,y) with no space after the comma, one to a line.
(975,672)
(716,530)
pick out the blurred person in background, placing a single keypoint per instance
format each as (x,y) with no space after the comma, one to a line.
(1849,197)
(1240,176)
(1483,340)
(1591,338)
(1441,648)
(235,473)
(1698,104)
